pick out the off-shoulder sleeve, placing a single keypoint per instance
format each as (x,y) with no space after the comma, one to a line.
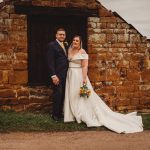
(82,56)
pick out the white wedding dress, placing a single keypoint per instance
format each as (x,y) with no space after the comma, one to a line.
(93,111)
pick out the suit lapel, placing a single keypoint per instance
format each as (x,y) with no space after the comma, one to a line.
(59,47)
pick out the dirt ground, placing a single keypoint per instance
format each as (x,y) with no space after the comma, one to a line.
(85,140)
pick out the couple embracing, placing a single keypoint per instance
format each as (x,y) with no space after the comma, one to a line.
(68,68)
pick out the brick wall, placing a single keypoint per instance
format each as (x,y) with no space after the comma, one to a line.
(119,64)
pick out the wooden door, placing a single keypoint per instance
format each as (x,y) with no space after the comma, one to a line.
(41,30)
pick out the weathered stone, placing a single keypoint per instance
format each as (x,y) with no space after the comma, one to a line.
(118,60)
(101,25)
(137,56)
(92,60)
(1,76)
(3,36)
(112,38)
(94,74)
(107,31)
(22,92)
(145,101)
(127,88)
(20,65)
(109,90)
(123,102)
(123,26)
(123,38)
(5,107)
(39,99)
(134,38)
(18,108)
(18,16)
(111,25)
(105,13)
(133,75)
(92,25)
(98,85)
(23,100)
(5,76)
(128,95)
(139,94)
(145,75)
(134,65)
(6,93)
(40,91)
(93,19)
(144,87)
(112,75)
(126,108)
(120,31)
(18,36)
(119,45)
(18,77)
(8,101)
(98,38)
(135,101)
(4,15)
(108,19)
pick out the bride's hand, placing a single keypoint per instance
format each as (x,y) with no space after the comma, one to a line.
(84,81)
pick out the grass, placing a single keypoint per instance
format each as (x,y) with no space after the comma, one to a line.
(27,122)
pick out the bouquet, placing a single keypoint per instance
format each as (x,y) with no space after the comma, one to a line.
(84,91)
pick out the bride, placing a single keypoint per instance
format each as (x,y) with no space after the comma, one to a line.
(92,111)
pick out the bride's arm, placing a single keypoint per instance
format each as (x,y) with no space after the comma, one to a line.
(84,64)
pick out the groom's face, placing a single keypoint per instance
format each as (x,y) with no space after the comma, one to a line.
(61,35)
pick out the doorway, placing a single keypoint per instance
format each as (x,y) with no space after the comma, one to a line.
(41,30)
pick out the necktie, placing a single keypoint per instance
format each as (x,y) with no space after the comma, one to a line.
(62,45)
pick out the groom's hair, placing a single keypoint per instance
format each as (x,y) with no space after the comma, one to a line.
(60,29)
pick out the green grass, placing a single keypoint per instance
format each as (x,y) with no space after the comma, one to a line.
(146,121)
(26,122)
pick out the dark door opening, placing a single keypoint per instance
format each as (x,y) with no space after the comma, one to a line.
(41,30)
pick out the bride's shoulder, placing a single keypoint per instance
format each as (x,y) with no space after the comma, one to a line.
(83,54)
(82,51)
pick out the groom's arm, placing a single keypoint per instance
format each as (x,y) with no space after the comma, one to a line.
(51,60)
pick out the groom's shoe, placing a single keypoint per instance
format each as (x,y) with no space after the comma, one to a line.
(55,118)
(62,116)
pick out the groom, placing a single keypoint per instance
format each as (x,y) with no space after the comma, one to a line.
(58,66)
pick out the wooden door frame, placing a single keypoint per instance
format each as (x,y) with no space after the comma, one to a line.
(55,11)
(58,11)
(31,74)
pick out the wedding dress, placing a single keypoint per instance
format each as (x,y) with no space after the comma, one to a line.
(93,111)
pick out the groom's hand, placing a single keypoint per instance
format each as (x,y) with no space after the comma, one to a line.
(55,80)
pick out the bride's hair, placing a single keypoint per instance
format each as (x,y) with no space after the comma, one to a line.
(78,36)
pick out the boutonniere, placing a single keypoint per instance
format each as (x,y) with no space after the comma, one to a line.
(66,43)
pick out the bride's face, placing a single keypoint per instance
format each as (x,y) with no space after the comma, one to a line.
(76,42)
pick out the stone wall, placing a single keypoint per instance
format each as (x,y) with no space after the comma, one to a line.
(119,64)
(14,92)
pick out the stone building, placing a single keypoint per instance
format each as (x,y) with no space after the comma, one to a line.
(119,64)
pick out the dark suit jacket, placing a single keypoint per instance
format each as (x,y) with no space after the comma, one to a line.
(57,60)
